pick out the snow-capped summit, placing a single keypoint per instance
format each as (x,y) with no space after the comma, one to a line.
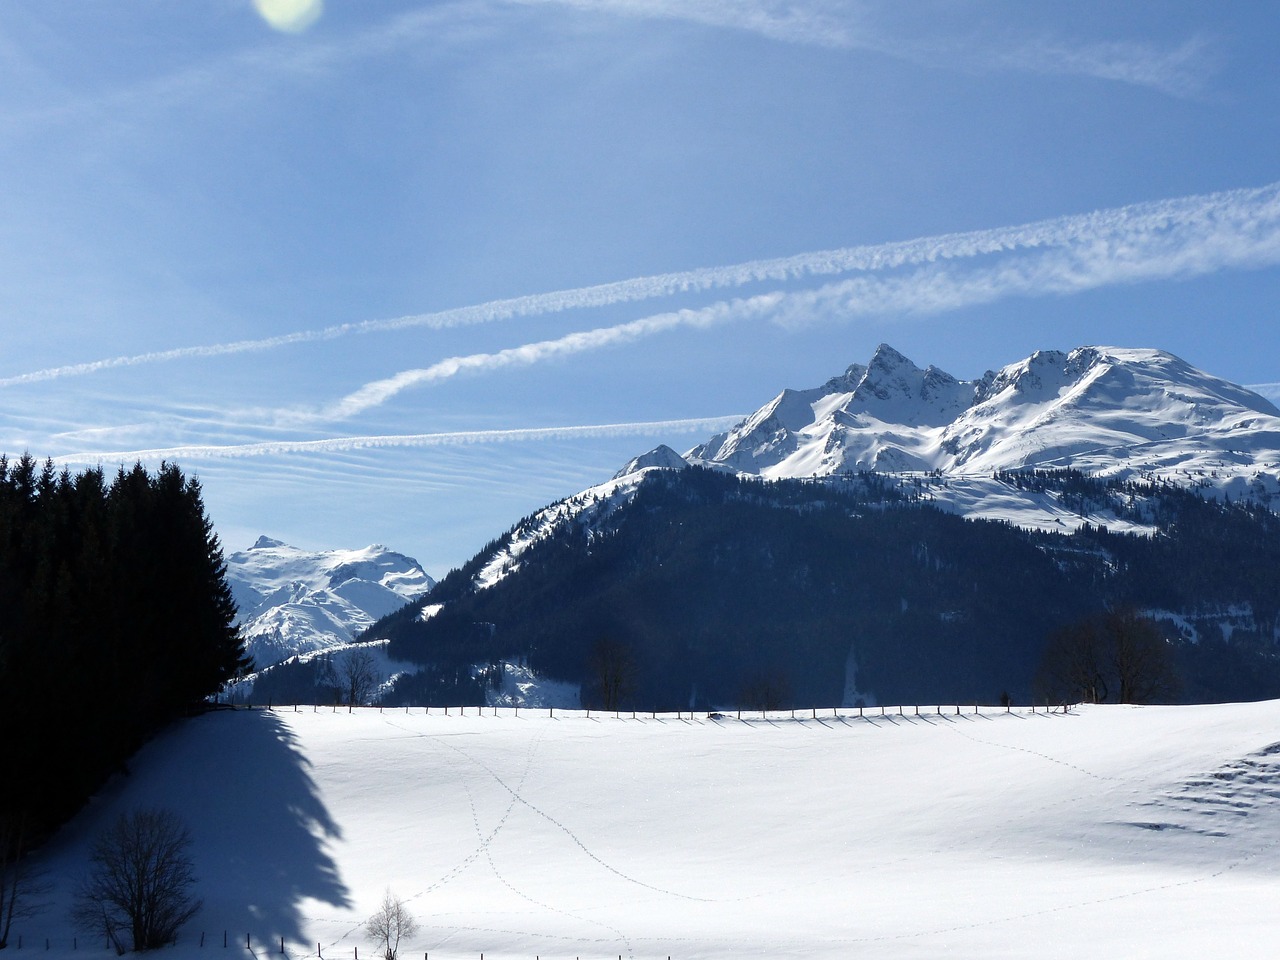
(660,457)
(1105,410)
(293,601)
(807,432)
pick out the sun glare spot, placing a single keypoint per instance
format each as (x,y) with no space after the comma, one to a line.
(291,16)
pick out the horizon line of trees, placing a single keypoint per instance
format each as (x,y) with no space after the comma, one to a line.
(115,617)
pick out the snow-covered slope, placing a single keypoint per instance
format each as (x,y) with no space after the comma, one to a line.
(293,601)
(1130,832)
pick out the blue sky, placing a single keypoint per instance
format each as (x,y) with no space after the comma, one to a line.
(405,272)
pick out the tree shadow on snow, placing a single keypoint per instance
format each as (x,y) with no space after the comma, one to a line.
(264,833)
(259,828)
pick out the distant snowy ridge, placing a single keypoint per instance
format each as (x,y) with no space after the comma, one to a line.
(295,601)
(1107,411)
(1104,410)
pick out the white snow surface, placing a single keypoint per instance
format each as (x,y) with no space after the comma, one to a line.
(1131,832)
(295,601)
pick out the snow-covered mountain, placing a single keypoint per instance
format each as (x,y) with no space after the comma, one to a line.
(1102,410)
(293,601)
(1112,412)
(1107,411)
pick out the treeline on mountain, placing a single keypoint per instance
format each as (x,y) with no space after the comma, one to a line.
(728,591)
(114,618)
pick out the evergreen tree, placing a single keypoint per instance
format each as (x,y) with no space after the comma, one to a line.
(115,616)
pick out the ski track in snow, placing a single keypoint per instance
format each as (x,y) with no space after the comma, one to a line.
(517,797)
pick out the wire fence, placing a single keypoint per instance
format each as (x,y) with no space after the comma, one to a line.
(687,716)
(227,944)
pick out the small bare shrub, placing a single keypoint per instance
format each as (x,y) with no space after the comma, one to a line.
(391,924)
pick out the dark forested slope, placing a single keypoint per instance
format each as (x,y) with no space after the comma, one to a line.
(712,590)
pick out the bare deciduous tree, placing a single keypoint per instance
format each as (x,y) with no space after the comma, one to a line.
(358,677)
(17,885)
(390,924)
(138,882)
(1142,658)
(765,690)
(611,671)
(1073,667)
(1118,653)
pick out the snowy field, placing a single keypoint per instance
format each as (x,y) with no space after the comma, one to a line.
(1126,832)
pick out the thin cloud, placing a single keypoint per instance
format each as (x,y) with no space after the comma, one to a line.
(1208,221)
(454,438)
(241,74)
(1180,71)
(378,392)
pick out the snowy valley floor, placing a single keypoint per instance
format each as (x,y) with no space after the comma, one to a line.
(1130,832)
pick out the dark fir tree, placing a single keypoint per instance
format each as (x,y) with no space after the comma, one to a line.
(115,617)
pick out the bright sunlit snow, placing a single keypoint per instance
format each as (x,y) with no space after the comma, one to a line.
(1144,832)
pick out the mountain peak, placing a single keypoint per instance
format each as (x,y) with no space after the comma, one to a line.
(266,543)
(887,358)
(660,457)
(1108,410)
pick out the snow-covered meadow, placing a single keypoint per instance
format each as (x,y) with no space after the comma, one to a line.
(1132,832)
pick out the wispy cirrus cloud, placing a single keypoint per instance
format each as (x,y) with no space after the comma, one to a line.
(253,71)
(1181,70)
(1194,234)
(452,438)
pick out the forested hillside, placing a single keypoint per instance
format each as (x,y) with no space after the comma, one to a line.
(712,590)
(112,603)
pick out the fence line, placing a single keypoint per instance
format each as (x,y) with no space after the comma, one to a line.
(734,713)
(269,949)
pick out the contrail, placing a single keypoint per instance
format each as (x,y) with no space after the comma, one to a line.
(455,438)
(1239,213)
(380,391)
(1216,243)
